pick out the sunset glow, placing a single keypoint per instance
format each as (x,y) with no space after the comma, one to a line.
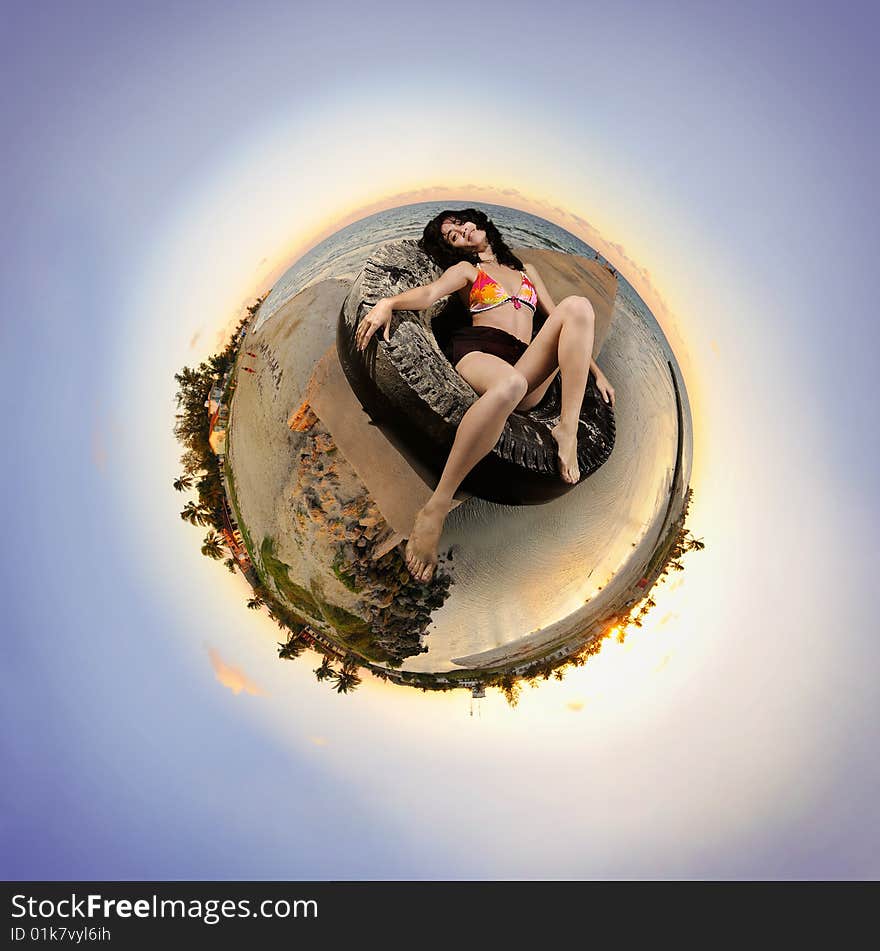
(168,167)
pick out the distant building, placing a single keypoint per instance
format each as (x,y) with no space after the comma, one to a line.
(218,416)
(217,440)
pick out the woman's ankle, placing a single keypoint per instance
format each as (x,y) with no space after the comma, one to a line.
(566,428)
(437,505)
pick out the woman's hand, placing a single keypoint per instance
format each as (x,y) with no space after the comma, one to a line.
(378,316)
(605,388)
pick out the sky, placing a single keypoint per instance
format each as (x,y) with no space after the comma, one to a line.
(164,163)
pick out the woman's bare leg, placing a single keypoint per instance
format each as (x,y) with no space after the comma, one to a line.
(502,388)
(566,341)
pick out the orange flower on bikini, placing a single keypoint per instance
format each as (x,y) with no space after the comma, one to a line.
(487,293)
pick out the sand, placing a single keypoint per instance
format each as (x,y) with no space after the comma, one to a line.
(598,535)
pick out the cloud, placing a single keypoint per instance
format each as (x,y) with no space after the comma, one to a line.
(195,339)
(232,677)
(614,251)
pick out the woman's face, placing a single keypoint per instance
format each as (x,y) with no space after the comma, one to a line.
(463,234)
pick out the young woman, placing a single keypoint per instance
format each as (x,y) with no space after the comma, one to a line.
(496,355)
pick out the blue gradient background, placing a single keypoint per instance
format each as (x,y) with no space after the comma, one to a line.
(164,162)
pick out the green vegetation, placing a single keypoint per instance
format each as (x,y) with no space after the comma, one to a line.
(345,577)
(325,671)
(203,473)
(292,649)
(279,572)
(354,630)
(365,646)
(675,543)
(345,622)
(212,546)
(242,527)
(346,680)
(192,427)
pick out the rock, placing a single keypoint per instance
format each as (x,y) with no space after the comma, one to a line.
(302,418)
(324,442)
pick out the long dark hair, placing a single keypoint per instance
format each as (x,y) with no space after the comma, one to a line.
(445,255)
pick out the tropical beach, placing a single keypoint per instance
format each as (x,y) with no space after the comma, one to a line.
(179,177)
(322,497)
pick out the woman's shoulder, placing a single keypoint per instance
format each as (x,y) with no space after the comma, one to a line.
(463,269)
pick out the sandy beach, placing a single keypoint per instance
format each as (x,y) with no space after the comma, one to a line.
(561,564)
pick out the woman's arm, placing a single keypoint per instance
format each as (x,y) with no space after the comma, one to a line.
(418,298)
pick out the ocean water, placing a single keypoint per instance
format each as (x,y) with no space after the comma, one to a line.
(342,255)
(526,570)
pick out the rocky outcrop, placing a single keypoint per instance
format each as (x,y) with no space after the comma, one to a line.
(393,609)
(408,386)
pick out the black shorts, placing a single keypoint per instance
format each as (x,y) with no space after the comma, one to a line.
(487,340)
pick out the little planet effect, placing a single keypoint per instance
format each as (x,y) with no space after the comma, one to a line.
(310,460)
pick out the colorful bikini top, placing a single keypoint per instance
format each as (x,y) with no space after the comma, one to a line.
(487,293)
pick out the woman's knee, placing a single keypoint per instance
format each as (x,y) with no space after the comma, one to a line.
(512,387)
(578,308)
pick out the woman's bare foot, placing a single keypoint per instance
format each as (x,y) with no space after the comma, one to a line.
(421,549)
(566,453)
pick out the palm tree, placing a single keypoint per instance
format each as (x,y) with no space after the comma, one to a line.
(183,483)
(230,564)
(326,670)
(210,490)
(255,603)
(213,546)
(195,514)
(511,691)
(292,649)
(698,544)
(346,680)
(189,381)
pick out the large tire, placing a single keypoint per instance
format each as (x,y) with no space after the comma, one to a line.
(408,386)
